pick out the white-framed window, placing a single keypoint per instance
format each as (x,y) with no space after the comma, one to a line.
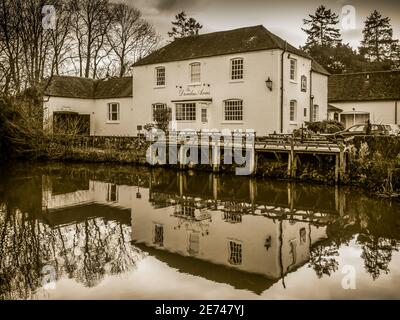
(293,111)
(204,115)
(185,112)
(194,243)
(160,76)
(233,110)
(155,108)
(158,238)
(237,69)
(293,69)
(315,113)
(195,72)
(235,253)
(112,193)
(113,111)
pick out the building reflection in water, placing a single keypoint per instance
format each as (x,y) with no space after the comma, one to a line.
(231,228)
(234,230)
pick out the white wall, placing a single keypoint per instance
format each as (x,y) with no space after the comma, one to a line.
(97,109)
(320,92)
(261,106)
(380,111)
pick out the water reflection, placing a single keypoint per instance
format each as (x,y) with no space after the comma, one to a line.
(92,222)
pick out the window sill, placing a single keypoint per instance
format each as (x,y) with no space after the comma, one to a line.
(159,87)
(236,81)
(193,84)
(113,122)
(293,81)
(293,123)
(232,122)
(186,121)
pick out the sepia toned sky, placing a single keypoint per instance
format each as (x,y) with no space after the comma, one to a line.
(282,17)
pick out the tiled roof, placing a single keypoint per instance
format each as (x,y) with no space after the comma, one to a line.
(316,67)
(84,88)
(364,86)
(219,43)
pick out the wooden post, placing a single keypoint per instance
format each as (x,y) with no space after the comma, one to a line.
(342,163)
(292,157)
(181,156)
(294,165)
(337,164)
(215,158)
(289,167)
(255,161)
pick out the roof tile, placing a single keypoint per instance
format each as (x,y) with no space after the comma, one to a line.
(364,86)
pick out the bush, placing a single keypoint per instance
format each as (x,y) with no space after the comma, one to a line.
(326,126)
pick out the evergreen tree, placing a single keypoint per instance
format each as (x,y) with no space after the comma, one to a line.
(321,28)
(184,26)
(340,58)
(378,44)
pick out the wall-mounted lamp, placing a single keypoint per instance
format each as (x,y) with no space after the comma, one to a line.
(268,83)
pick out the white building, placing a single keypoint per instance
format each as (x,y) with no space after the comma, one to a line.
(103,107)
(365,95)
(246,78)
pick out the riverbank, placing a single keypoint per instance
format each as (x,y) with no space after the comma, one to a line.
(372,162)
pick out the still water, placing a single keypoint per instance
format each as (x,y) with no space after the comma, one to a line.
(119,232)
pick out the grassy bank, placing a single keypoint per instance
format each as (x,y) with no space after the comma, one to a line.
(372,162)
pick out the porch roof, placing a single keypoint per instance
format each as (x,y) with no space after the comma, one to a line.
(193,100)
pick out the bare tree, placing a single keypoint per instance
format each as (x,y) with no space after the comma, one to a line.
(61,40)
(91,20)
(130,36)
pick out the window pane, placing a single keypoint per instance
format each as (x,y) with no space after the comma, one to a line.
(160,76)
(113,112)
(233,110)
(185,111)
(195,72)
(203,115)
(315,112)
(235,253)
(293,111)
(156,108)
(236,69)
(292,69)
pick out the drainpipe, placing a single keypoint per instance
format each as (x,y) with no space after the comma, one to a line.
(310,111)
(281,124)
(395,113)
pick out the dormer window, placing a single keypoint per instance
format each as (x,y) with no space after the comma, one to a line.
(195,76)
(160,76)
(237,69)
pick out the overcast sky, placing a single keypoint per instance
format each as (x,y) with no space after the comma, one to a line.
(283,17)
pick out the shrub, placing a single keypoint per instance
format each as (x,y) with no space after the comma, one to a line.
(326,126)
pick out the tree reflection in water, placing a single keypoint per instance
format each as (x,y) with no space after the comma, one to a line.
(93,247)
(85,251)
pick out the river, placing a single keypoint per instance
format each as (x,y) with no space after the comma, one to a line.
(74,231)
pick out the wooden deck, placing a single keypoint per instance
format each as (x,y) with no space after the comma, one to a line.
(294,147)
